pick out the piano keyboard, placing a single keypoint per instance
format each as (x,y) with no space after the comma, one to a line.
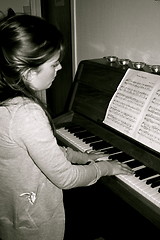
(145,180)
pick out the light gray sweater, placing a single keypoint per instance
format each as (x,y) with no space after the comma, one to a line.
(33,172)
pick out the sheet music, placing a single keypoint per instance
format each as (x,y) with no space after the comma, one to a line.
(135,108)
(149,130)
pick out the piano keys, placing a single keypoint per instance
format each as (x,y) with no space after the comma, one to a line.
(150,189)
(82,129)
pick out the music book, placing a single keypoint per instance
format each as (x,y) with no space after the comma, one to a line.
(134,109)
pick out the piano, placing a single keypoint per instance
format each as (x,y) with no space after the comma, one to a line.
(82,128)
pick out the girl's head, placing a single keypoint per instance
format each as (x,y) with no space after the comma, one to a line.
(30,51)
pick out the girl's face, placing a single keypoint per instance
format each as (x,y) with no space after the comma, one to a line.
(42,78)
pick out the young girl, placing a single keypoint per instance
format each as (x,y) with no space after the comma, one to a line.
(33,168)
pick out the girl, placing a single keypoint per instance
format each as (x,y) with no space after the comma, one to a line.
(33,168)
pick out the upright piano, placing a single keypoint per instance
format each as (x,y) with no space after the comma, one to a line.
(82,128)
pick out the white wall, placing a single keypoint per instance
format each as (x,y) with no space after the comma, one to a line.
(125,28)
(17,5)
(21,6)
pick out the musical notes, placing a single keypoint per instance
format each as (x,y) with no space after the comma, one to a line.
(149,130)
(135,108)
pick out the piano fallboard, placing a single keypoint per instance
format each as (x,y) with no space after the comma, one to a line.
(94,85)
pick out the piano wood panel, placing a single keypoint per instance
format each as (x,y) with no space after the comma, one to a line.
(96,211)
(150,211)
(96,86)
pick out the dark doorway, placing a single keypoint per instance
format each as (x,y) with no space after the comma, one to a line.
(58,12)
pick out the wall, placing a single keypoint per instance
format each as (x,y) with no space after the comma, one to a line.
(17,5)
(21,6)
(125,28)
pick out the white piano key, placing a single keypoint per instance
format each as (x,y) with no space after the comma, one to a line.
(156,199)
(141,187)
(151,192)
(74,140)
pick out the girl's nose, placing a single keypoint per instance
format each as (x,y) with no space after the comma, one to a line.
(59,67)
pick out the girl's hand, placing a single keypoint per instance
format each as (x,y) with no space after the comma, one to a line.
(78,157)
(114,167)
(97,156)
(119,168)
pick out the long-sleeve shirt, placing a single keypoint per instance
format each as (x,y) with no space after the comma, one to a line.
(33,172)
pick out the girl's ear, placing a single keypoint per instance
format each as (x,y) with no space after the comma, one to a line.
(29,76)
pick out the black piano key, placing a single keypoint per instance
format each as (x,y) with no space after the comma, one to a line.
(75,129)
(155,184)
(100,145)
(148,172)
(144,173)
(79,131)
(83,134)
(92,139)
(139,172)
(122,157)
(134,164)
(152,180)
(111,150)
